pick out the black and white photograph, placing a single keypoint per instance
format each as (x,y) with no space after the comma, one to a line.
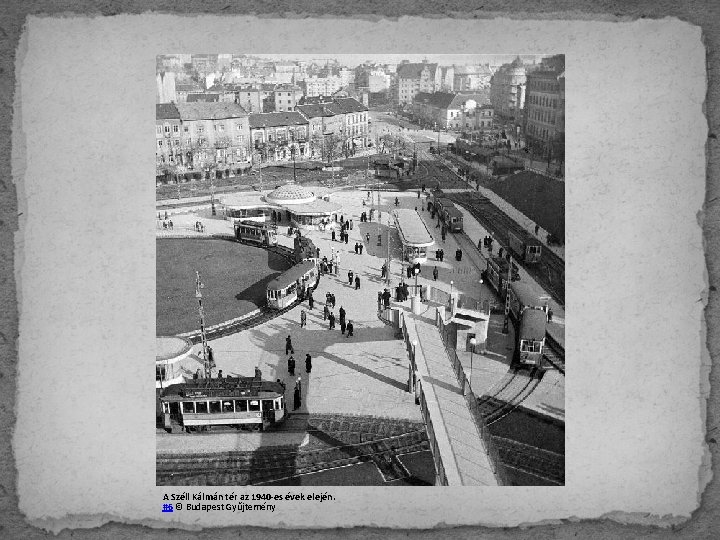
(310,328)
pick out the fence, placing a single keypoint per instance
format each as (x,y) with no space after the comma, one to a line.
(447,333)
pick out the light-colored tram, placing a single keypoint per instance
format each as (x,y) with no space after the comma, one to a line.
(256,232)
(414,235)
(531,336)
(523,298)
(292,284)
(241,402)
(449,214)
(524,247)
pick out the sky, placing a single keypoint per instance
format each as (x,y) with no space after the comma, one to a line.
(352,60)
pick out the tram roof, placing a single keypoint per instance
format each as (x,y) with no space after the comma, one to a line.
(227,387)
(291,275)
(525,237)
(453,211)
(534,324)
(412,228)
(498,262)
(525,294)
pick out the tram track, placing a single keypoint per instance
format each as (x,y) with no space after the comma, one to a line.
(549,272)
(544,464)
(339,441)
(512,392)
(554,353)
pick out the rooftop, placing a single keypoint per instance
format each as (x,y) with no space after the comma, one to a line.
(210,111)
(276,119)
(290,193)
(166,111)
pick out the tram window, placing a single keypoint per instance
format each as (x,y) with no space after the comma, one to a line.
(241,405)
(267,405)
(254,405)
(188,407)
(201,407)
(159,373)
(227,406)
(215,407)
(291,289)
(523,346)
(277,403)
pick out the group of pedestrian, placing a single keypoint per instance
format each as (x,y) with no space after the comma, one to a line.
(383,271)
(353,278)
(168,224)
(402,292)
(329,300)
(439,255)
(199,227)
(358,248)
(364,217)
(326,267)
(486,242)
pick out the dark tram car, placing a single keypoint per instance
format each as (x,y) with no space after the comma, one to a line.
(524,247)
(496,274)
(292,285)
(256,232)
(240,402)
(531,336)
(522,298)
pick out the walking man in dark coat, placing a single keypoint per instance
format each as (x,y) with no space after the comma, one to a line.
(308,363)
(332,235)
(342,315)
(331,318)
(288,345)
(361,248)
(303,318)
(296,398)
(326,312)
(435,274)
(357,282)
(311,300)
(347,237)
(350,277)
(291,365)
(342,326)
(350,329)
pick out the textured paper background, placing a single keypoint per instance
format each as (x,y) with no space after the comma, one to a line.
(634,425)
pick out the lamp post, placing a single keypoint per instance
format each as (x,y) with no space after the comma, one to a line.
(473,342)
(292,153)
(416,271)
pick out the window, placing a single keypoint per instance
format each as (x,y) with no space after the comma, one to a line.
(238,126)
(160,373)
(254,405)
(177,142)
(221,127)
(188,407)
(158,130)
(241,405)
(267,405)
(176,128)
(201,407)
(215,407)
(167,128)
(227,406)
(186,129)
(201,129)
(160,143)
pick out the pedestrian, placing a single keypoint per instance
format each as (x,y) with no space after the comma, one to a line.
(341,219)
(220,374)
(347,237)
(386,298)
(418,194)
(361,249)
(291,365)
(423,188)
(171,225)
(331,318)
(296,398)
(383,270)
(480,245)
(288,346)
(330,267)
(356,248)
(380,300)
(165,225)
(332,235)
(350,277)
(357,282)
(326,311)
(397,202)
(308,363)
(435,274)
(367,238)
(350,329)
(537,228)
(332,299)
(351,224)
(303,318)
(342,314)
(342,326)
(311,300)
(166,214)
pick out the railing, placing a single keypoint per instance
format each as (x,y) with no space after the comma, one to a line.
(471,400)
(439,468)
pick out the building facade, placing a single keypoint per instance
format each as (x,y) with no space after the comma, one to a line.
(322,86)
(415,78)
(279,136)
(544,122)
(287,97)
(201,137)
(446,110)
(507,90)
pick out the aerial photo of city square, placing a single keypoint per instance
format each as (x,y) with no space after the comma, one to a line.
(310,331)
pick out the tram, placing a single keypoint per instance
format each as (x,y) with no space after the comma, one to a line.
(496,273)
(524,247)
(414,235)
(523,298)
(531,336)
(240,402)
(292,285)
(256,232)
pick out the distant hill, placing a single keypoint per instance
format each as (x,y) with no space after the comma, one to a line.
(540,198)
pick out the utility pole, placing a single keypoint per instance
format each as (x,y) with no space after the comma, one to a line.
(208,361)
(505,329)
